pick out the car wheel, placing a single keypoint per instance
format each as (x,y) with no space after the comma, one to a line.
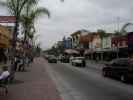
(123,78)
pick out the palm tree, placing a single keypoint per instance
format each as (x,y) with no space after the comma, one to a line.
(15,7)
(102,35)
(122,32)
(29,21)
(117,33)
(123,29)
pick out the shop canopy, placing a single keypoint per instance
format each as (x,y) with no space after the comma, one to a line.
(88,51)
(71,51)
(5,37)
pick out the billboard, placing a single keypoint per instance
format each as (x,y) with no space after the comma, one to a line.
(7,19)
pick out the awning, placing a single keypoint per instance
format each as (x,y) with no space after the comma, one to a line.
(89,51)
(5,37)
(71,51)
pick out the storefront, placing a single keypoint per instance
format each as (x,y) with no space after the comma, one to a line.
(121,44)
(130,44)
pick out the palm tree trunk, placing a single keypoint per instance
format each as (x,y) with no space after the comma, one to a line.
(25,36)
(15,34)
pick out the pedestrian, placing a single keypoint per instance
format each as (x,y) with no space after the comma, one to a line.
(5,73)
(16,61)
(21,66)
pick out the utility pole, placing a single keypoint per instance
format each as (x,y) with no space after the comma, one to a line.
(118,24)
(118,29)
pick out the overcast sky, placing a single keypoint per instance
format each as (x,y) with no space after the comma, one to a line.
(73,15)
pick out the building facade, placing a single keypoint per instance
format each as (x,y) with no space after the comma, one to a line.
(130,44)
(67,42)
(120,45)
(106,42)
(76,38)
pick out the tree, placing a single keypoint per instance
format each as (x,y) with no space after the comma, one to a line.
(123,29)
(15,7)
(117,33)
(28,21)
(102,35)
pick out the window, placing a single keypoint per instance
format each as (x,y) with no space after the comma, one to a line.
(120,62)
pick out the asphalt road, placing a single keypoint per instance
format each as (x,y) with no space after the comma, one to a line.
(89,84)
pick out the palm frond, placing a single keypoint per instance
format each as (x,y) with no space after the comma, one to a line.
(38,12)
(123,29)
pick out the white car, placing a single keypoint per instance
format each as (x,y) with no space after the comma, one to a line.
(71,58)
(78,61)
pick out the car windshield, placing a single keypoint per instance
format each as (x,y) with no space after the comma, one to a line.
(79,58)
(120,60)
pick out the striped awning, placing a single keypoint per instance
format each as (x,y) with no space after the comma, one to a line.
(71,51)
(88,51)
(5,37)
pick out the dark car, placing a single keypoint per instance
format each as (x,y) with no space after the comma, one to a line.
(52,59)
(121,68)
(47,56)
(64,59)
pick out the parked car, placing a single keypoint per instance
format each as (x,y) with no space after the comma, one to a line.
(64,59)
(48,56)
(121,68)
(52,59)
(78,61)
(71,58)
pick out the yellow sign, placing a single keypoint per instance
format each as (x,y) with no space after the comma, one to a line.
(5,37)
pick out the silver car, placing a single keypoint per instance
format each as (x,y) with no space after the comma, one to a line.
(78,61)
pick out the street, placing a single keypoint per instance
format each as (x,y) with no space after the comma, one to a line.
(76,83)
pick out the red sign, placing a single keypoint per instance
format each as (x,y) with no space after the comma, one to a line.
(120,41)
(7,19)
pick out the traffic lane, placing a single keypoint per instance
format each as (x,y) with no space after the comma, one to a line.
(92,85)
(94,66)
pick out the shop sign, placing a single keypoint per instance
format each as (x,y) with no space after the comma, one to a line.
(7,19)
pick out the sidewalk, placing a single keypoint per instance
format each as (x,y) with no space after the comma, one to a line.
(34,84)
